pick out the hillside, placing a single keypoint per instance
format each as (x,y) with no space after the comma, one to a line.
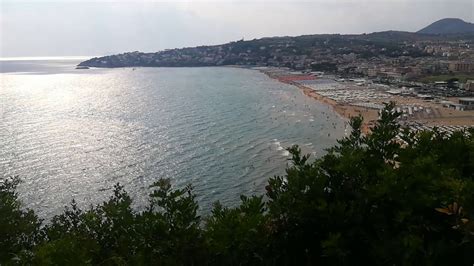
(275,51)
(448,26)
(297,52)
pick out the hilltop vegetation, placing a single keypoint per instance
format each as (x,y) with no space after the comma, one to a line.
(369,201)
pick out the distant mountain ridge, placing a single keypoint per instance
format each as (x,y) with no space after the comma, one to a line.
(448,26)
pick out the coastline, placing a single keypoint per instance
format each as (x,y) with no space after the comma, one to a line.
(345,111)
(435,116)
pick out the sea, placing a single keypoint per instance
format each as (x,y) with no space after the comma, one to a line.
(74,133)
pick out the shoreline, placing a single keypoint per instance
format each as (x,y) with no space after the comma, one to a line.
(438,116)
(344,111)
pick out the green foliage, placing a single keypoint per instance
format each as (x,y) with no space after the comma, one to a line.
(371,200)
(18,227)
(112,233)
(238,236)
(448,77)
(324,66)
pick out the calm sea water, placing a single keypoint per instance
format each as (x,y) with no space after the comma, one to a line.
(75,133)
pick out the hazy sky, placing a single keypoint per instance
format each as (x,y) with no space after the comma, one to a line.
(72,27)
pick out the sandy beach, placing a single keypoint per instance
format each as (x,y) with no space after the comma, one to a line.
(345,110)
(437,115)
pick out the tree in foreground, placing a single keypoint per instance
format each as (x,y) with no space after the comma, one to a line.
(371,200)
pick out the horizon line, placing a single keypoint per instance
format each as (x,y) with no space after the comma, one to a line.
(39,58)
